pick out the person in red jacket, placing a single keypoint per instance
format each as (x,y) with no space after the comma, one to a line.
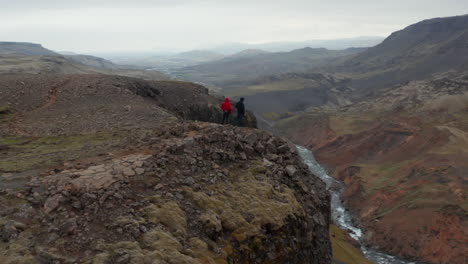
(227,110)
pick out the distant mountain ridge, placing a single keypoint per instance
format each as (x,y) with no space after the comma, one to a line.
(247,53)
(419,51)
(20,57)
(239,70)
(25,48)
(92,61)
(429,49)
(201,55)
(286,46)
(33,49)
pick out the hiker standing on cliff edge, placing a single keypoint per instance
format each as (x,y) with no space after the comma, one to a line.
(227,110)
(240,112)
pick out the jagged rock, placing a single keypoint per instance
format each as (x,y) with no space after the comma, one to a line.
(139,171)
(259,148)
(251,139)
(77,204)
(216,156)
(271,146)
(11,230)
(189,181)
(291,170)
(249,150)
(69,227)
(52,203)
(96,168)
(243,156)
(138,164)
(89,196)
(267,163)
(283,149)
(272,157)
(128,172)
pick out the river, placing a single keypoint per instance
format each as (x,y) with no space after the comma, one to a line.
(339,214)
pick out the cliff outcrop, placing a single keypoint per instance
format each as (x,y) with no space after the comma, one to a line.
(173,191)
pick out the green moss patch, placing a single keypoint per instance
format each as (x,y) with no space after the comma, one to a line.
(247,206)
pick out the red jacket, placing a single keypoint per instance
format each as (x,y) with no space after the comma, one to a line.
(226,106)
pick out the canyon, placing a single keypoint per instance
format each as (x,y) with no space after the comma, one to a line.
(103,163)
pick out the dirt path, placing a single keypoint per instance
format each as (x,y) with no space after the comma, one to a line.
(53,93)
(14,124)
(457,133)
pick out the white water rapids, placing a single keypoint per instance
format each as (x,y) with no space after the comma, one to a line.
(339,214)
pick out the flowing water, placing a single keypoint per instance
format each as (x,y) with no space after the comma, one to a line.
(339,214)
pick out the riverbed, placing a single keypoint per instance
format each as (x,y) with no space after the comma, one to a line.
(340,215)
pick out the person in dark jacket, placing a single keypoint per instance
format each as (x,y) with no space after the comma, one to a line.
(227,110)
(240,112)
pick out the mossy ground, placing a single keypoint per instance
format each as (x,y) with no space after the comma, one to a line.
(25,153)
(343,250)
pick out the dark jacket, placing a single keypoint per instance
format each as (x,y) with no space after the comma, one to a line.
(240,108)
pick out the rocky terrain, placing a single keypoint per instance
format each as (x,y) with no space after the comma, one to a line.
(189,198)
(70,104)
(108,169)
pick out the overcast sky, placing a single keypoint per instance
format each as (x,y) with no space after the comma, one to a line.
(152,25)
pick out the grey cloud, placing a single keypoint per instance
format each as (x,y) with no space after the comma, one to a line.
(99,25)
(63,4)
